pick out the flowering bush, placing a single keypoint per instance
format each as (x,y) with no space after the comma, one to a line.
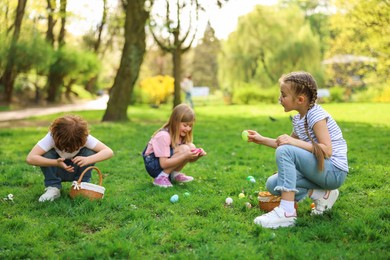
(157,89)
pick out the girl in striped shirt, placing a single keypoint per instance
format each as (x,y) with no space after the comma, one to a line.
(311,161)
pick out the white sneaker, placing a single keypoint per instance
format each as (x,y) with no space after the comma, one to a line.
(325,203)
(51,194)
(275,219)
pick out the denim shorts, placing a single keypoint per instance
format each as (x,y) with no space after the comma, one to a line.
(152,163)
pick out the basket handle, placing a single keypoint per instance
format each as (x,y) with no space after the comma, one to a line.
(87,169)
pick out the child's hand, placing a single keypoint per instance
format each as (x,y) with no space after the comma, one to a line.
(202,152)
(195,152)
(81,161)
(285,139)
(61,163)
(199,151)
(254,136)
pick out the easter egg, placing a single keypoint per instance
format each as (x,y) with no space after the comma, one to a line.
(252,180)
(244,135)
(249,178)
(248,205)
(241,195)
(186,194)
(229,201)
(174,198)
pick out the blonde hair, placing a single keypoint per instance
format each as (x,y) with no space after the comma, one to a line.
(181,114)
(69,132)
(303,83)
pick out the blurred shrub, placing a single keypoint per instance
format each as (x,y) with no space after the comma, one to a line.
(252,94)
(157,90)
(384,95)
(336,94)
(373,94)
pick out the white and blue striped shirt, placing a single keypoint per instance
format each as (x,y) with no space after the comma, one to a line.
(339,146)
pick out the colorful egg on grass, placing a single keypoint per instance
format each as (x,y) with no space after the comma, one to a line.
(174,198)
(229,201)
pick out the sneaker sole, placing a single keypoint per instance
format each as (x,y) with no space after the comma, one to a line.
(49,199)
(184,181)
(274,226)
(162,186)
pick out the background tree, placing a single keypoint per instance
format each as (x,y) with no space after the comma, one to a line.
(317,13)
(56,77)
(264,47)
(176,33)
(8,78)
(95,44)
(132,57)
(205,60)
(361,28)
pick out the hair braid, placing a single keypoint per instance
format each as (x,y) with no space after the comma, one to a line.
(303,83)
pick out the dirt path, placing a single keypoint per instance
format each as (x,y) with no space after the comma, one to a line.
(15,118)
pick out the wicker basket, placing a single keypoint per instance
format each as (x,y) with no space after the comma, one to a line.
(268,202)
(86,189)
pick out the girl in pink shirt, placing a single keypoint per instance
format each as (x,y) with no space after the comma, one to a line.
(171,148)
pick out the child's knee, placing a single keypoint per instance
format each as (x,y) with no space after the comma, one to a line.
(183,148)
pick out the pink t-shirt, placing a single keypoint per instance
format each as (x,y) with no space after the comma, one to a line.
(160,145)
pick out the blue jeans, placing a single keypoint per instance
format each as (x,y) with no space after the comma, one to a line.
(189,99)
(298,171)
(55,175)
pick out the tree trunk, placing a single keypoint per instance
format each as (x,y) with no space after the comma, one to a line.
(90,85)
(177,76)
(55,78)
(132,57)
(50,23)
(55,81)
(10,73)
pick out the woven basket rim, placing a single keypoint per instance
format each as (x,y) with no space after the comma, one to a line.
(90,187)
(266,197)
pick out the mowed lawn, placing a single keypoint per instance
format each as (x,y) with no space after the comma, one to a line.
(136,220)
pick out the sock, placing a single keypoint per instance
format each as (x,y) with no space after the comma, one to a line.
(288,206)
(318,194)
(162,173)
(174,174)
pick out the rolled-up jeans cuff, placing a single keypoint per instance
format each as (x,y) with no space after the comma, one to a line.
(281,188)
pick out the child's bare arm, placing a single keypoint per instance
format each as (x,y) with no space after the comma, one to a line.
(103,152)
(35,157)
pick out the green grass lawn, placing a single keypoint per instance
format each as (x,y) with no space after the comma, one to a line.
(136,220)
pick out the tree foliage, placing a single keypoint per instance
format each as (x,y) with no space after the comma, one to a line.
(174,36)
(9,75)
(268,42)
(205,60)
(361,28)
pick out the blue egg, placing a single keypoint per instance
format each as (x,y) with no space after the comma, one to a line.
(174,198)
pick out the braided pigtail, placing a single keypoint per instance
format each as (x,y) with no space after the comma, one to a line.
(302,83)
